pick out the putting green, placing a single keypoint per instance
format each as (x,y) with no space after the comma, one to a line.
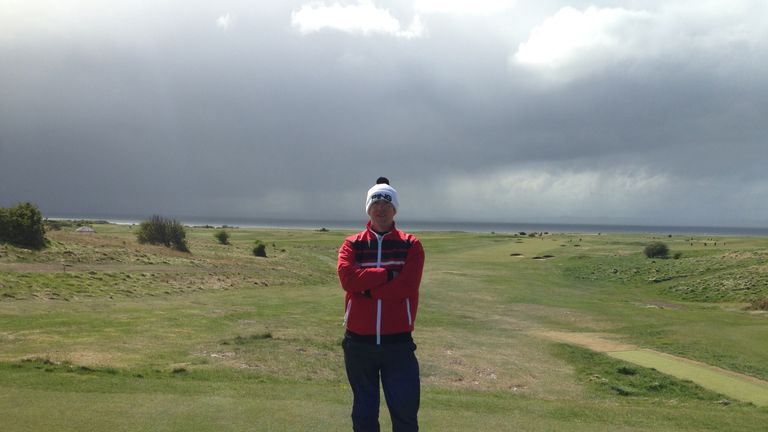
(720,380)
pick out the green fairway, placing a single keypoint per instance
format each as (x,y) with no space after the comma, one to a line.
(98,332)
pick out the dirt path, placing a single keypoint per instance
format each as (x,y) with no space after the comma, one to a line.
(738,386)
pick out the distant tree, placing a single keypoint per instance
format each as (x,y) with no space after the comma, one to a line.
(260,250)
(222,236)
(22,225)
(656,250)
(167,232)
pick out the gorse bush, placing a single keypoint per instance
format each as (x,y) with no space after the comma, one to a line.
(222,236)
(167,232)
(22,225)
(260,250)
(656,250)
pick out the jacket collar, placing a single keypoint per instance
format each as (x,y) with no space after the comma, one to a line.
(393,229)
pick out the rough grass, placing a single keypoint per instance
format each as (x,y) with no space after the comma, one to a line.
(80,265)
(724,276)
(611,377)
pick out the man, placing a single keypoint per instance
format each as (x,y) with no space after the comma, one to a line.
(380,270)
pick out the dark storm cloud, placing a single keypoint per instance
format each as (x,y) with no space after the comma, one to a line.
(254,118)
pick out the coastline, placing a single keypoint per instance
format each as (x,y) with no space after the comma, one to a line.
(475,227)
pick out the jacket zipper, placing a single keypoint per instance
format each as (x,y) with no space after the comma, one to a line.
(346,314)
(378,302)
(408,310)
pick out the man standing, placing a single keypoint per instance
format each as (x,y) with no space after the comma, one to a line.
(380,270)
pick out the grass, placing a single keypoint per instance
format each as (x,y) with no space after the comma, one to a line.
(148,338)
(609,377)
(742,389)
(725,276)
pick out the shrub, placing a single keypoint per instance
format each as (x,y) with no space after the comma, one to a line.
(167,232)
(656,250)
(627,370)
(22,225)
(260,250)
(222,236)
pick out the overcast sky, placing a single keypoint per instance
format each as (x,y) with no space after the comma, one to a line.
(649,112)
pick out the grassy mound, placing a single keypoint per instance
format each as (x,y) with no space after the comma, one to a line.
(720,277)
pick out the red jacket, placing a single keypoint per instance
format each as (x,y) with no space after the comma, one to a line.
(381,277)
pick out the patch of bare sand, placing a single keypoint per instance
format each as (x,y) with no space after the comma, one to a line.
(543,257)
(661,305)
(95,358)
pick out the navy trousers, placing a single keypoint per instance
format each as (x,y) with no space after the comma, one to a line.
(396,365)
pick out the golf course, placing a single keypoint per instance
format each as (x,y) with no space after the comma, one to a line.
(515,332)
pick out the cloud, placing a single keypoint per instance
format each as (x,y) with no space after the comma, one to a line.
(575,43)
(360,18)
(530,191)
(224,21)
(464,7)
(657,112)
(570,34)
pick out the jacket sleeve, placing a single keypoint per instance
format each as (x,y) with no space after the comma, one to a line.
(355,279)
(407,282)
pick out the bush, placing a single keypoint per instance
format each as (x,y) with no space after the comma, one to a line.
(260,250)
(222,236)
(656,250)
(167,232)
(22,225)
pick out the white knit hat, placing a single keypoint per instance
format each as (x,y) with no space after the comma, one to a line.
(382,191)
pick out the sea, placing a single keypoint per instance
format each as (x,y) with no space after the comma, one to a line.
(463,226)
